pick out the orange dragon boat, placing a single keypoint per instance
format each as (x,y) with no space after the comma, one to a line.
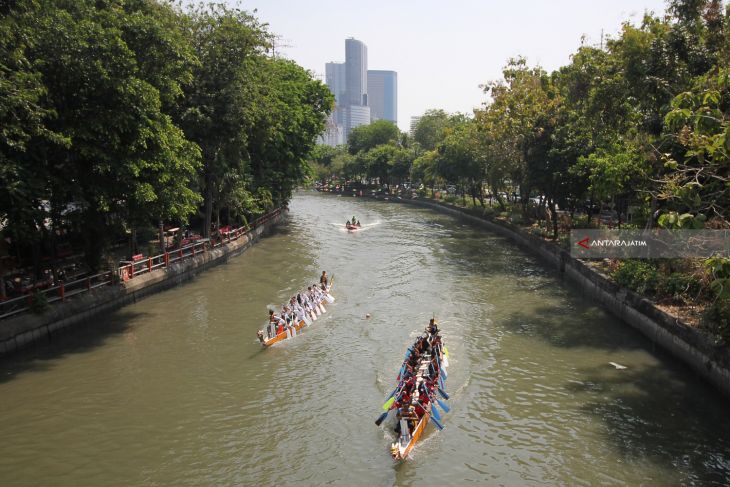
(414,399)
(285,329)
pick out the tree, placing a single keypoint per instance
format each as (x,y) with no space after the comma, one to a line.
(429,130)
(221,103)
(366,137)
(293,113)
(125,156)
(698,177)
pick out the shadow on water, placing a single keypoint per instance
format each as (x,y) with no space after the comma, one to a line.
(645,409)
(86,337)
(81,339)
(582,326)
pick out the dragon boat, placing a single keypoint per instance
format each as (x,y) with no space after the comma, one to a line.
(281,328)
(422,376)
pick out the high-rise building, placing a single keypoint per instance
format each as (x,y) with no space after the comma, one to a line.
(348,82)
(355,115)
(414,123)
(335,79)
(383,95)
(356,72)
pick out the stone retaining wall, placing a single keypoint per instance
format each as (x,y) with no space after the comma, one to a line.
(29,328)
(684,342)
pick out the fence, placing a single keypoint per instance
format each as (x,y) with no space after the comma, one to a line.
(126,271)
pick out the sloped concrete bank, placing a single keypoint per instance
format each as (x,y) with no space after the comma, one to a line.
(686,343)
(27,329)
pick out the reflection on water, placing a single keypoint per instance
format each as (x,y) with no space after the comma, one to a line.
(176,390)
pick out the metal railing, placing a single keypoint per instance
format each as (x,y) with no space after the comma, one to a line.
(126,271)
(53,294)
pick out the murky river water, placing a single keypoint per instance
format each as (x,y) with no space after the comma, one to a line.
(176,390)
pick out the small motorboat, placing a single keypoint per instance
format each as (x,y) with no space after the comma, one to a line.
(353,228)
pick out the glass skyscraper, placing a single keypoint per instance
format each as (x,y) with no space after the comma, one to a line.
(383,95)
(356,72)
(349,83)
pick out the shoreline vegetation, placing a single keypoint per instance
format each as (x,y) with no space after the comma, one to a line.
(693,345)
(633,133)
(135,127)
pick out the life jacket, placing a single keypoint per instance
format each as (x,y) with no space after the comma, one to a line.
(280,329)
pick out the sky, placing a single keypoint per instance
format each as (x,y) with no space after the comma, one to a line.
(443,50)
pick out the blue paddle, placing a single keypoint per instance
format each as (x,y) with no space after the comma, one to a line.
(436,423)
(435,412)
(443,405)
(443,393)
(382,417)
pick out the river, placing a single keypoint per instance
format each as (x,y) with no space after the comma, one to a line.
(177,390)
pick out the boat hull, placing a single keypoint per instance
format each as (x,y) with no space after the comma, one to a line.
(400,452)
(282,336)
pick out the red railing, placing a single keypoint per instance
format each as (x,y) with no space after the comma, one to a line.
(58,293)
(128,270)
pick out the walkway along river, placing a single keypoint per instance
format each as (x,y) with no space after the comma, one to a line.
(176,389)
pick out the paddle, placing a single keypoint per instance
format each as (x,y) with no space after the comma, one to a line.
(382,417)
(435,412)
(436,423)
(443,405)
(441,369)
(443,393)
(433,416)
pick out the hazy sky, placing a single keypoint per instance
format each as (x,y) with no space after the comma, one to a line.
(443,50)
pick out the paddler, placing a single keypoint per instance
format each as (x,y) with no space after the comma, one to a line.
(323,279)
(432,328)
(273,321)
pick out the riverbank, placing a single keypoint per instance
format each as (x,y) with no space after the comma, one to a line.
(27,329)
(686,343)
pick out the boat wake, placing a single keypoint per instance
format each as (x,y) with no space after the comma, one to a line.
(362,228)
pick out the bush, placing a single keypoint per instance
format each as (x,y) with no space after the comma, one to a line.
(717,320)
(451,199)
(637,275)
(516,218)
(488,211)
(39,302)
(681,286)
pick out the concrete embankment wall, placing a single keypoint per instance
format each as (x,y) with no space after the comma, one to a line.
(21,331)
(684,342)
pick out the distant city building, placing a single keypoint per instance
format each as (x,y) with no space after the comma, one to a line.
(335,79)
(333,134)
(383,95)
(355,116)
(356,72)
(414,123)
(348,82)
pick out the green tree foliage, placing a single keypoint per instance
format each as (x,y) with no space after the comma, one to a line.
(430,129)
(119,114)
(367,137)
(286,127)
(698,180)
